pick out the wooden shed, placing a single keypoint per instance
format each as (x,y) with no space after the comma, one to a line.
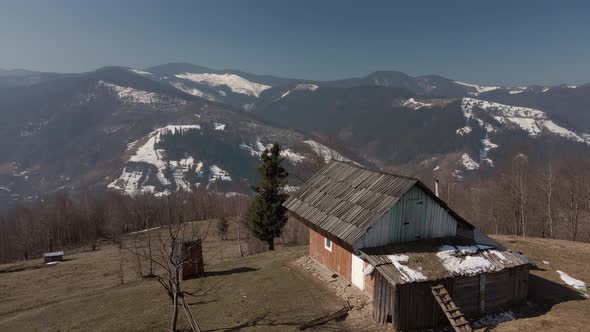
(393,238)
(56,256)
(480,279)
(191,253)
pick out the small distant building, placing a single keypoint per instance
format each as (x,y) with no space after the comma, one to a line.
(56,256)
(191,253)
(422,264)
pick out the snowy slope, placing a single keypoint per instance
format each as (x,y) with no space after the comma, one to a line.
(533,121)
(478,88)
(236,83)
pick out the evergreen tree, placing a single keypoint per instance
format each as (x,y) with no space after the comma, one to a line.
(267,216)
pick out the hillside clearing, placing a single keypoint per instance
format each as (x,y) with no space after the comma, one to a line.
(265,292)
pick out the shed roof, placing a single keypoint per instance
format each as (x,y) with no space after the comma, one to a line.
(345,199)
(441,258)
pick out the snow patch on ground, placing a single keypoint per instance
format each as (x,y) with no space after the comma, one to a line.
(466,260)
(218,126)
(575,283)
(407,274)
(416,105)
(325,152)
(236,83)
(478,88)
(468,163)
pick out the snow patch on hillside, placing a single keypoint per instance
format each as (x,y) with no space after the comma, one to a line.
(464,131)
(131,95)
(236,83)
(148,153)
(140,72)
(257,149)
(486,146)
(325,152)
(533,121)
(468,163)
(218,126)
(193,91)
(478,88)
(218,174)
(299,87)
(416,105)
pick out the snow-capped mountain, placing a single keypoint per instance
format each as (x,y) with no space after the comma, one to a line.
(124,130)
(158,129)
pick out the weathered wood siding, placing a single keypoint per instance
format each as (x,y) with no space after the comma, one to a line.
(417,307)
(412,306)
(384,300)
(338,260)
(415,216)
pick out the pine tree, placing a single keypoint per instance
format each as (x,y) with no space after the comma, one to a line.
(267,216)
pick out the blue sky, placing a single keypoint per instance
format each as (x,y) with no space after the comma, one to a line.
(491,42)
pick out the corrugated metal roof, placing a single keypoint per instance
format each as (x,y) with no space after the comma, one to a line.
(345,200)
(427,260)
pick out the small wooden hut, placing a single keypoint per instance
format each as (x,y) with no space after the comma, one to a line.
(191,253)
(393,238)
(55,256)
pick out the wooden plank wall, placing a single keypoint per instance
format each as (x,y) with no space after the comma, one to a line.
(424,218)
(418,308)
(339,260)
(384,300)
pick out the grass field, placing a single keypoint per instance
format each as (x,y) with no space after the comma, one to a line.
(264,292)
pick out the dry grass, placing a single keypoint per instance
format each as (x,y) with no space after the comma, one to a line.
(265,292)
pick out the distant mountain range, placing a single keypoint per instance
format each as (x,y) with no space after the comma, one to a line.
(180,125)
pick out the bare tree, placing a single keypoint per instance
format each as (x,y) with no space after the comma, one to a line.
(171,254)
(519,192)
(547,185)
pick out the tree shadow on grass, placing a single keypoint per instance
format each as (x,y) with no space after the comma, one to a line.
(267,320)
(230,271)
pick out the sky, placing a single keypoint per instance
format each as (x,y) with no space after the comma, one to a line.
(487,42)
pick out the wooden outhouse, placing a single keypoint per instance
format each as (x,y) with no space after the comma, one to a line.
(393,238)
(190,252)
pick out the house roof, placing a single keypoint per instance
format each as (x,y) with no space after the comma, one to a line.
(345,199)
(439,259)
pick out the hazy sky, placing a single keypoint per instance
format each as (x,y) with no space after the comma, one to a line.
(500,42)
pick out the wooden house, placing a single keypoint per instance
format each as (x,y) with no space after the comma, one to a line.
(392,237)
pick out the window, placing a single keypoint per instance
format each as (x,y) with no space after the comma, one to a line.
(328,244)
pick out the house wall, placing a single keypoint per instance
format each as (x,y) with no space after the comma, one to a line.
(338,260)
(414,217)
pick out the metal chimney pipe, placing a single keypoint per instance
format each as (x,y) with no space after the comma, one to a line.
(436,187)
